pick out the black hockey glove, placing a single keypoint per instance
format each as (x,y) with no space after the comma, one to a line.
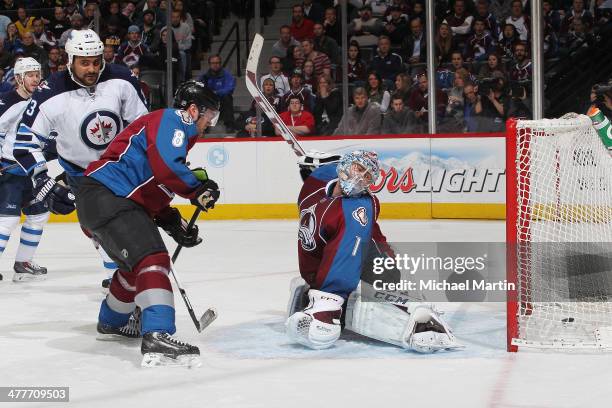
(206,195)
(170,220)
(58,196)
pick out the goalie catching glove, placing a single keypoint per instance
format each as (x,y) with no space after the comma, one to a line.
(171,221)
(58,196)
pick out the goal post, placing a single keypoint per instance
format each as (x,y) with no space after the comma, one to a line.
(558,235)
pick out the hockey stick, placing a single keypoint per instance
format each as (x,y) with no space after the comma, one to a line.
(262,101)
(211,313)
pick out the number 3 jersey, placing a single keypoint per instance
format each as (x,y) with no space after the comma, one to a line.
(65,118)
(334,233)
(12,106)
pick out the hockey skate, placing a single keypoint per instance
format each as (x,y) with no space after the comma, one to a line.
(131,330)
(29,272)
(161,349)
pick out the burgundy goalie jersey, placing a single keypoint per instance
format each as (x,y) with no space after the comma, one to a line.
(334,233)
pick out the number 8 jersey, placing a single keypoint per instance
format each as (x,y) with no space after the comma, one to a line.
(64,118)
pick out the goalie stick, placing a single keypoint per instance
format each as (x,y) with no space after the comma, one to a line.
(262,101)
(211,313)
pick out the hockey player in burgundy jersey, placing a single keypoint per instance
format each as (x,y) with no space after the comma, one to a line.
(125,196)
(338,223)
(337,220)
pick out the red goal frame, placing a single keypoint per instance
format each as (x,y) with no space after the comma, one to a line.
(511,233)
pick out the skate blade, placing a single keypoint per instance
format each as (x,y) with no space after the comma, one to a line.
(160,360)
(26,277)
(115,337)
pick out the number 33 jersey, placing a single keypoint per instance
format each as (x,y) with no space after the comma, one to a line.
(64,118)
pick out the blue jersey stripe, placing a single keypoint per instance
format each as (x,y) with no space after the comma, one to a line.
(172,153)
(345,270)
(30,145)
(325,173)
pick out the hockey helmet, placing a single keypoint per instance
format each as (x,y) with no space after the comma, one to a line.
(199,94)
(83,43)
(23,65)
(26,64)
(357,171)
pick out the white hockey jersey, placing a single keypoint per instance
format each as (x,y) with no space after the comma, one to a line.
(83,124)
(12,106)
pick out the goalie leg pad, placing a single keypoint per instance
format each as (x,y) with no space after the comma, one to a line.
(418,327)
(318,326)
(298,299)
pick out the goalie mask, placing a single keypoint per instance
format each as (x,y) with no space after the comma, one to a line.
(357,171)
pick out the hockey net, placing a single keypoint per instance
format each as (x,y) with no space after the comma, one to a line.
(559,235)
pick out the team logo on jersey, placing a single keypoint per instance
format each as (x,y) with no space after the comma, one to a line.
(308,226)
(361,216)
(99,128)
(185,117)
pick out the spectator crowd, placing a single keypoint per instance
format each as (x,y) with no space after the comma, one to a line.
(482,54)
(133,32)
(483,67)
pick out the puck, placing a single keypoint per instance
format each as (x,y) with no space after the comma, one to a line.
(568,320)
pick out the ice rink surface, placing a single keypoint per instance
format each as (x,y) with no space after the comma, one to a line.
(47,336)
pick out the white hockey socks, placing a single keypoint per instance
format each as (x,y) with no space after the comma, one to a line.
(317,326)
(31,233)
(417,327)
(7,225)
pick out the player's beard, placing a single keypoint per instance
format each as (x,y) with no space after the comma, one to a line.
(89,79)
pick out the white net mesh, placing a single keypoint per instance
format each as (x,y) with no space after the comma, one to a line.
(564,234)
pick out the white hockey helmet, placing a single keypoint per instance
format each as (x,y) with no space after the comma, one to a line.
(83,43)
(23,65)
(26,64)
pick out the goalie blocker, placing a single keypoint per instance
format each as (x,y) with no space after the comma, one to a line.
(337,223)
